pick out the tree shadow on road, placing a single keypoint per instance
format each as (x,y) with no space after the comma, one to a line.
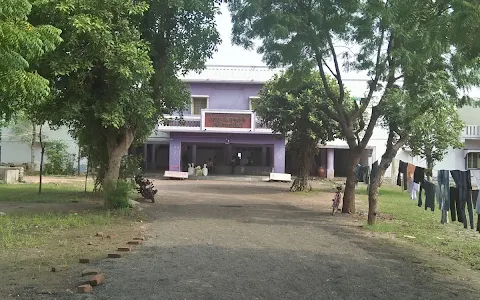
(201,271)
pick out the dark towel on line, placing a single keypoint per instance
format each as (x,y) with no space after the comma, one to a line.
(455,205)
(429,195)
(402,169)
(463,182)
(419,175)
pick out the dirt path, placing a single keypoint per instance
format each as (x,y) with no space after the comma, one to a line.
(222,240)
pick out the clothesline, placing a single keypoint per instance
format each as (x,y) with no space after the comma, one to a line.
(450,198)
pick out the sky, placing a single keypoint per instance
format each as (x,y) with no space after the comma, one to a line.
(229,54)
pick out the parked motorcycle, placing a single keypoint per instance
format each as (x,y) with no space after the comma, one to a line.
(145,188)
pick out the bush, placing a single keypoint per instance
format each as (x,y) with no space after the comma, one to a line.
(118,196)
(59,161)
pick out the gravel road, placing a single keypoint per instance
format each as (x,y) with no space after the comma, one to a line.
(218,240)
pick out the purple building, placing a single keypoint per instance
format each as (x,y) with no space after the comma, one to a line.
(219,128)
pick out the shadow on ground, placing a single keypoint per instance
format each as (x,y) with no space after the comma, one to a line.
(215,272)
(235,251)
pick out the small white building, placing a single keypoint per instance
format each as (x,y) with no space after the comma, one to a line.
(16,150)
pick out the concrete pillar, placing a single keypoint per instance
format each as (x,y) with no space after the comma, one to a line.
(263,161)
(229,153)
(154,150)
(194,155)
(330,163)
(175,155)
(279,156)
(145,156)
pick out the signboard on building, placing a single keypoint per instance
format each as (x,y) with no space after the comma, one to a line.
(228,120)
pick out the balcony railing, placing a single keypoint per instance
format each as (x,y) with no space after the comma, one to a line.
(185,121)
(192,122)
(471,132)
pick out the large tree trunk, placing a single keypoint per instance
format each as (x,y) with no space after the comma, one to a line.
(349,194)
(114,161)
(373,188)
(117,145)
(305,160)
(376,181)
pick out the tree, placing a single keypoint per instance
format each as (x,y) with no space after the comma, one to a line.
(291,104)
(20,44)
(388,40)
(100,72)
(434,133)
(115,74)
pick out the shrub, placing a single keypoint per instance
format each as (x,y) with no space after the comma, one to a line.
(59,161)
(118,196)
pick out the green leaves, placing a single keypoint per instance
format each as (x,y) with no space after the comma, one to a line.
(20,44)
(293,104)
(115,74)
(435,132)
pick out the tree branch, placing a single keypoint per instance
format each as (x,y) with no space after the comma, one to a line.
(374,83)
(376,110)
(337,67)
(330,69)
(319,59)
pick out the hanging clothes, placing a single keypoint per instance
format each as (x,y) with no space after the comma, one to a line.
(469,198)
(429,189)
(455,205)
(419,175)
(366,174)
(402,169)
(410,170)
(476,175)
(475,195)
(463,182)
(413,192)
(443,193)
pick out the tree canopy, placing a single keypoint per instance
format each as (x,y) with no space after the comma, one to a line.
(21,44)
(435,133)
(115,75)
(389,41)
(292,104)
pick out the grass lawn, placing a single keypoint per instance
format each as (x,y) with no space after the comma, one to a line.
(401,216)
(51,192)
(35,229)
(49,230)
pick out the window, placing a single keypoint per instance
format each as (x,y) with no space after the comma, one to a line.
(199,103)
(473,160)
(251,102)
